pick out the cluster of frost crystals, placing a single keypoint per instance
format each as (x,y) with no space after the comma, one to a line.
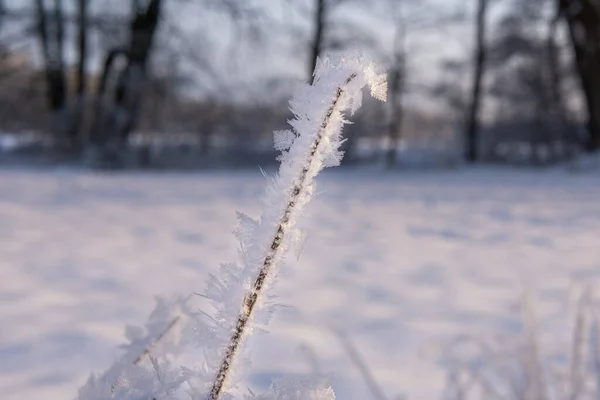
(304,388)
(157,381)
(138,374)
(312,144)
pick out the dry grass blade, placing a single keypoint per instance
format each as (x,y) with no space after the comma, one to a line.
(361,365)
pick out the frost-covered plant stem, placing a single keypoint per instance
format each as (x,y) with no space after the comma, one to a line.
(241,293)
(313,144)
(292,206)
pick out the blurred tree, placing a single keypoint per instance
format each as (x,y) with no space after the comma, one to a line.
(410,19)
(209,111)
(397,76)
(67,113)
(102,110)
(22,99)
(50,32)
(117,112)
(74,134)
(331,32)
(526,75)
(583,20)
(479,64)
(321,10)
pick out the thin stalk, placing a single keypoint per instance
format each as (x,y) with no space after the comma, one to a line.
(148,348)
(362,366)
(275,250)
(146,351)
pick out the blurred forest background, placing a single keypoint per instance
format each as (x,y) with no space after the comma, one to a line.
(203,83)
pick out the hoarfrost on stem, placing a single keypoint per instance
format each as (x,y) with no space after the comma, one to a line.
(313,145)
(241,293)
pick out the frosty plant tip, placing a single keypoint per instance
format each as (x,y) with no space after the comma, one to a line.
(312,145)
(241,292)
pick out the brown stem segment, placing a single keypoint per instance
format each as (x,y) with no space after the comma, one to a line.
(251,297)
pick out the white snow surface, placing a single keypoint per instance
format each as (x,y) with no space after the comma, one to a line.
(400,261)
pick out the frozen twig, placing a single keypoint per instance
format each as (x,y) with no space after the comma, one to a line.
(312,145)
(147,350)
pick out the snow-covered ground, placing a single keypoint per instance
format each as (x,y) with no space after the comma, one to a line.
(399,261)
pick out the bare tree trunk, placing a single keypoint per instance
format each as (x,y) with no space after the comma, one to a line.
(583,19)
(117,112)
(560,120)
(101,127)
(59,27)
(544,118)
(51,35)
(555,78)
(319,34)
(395,117)
(396,91)
(132,78)
(473,125)
(78,108)
(82,46)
